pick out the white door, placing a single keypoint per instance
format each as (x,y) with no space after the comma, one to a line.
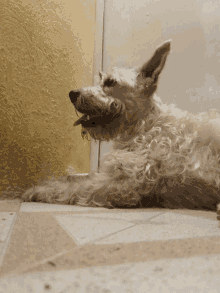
(134,28)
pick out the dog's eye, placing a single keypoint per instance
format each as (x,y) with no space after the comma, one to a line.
(109,82)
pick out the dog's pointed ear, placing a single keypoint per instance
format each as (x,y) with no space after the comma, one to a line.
(153,67)
(101,75)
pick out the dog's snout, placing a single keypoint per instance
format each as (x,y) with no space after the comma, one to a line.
(74,96)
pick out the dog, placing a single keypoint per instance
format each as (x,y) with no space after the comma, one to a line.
(161,157)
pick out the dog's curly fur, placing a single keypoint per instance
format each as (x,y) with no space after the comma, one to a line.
(162,156)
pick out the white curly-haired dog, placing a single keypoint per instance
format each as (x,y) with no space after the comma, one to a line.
(162,156)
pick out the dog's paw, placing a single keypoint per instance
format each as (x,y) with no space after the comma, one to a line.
(33,194)
(49,192)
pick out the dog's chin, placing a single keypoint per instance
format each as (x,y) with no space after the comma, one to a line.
(98,133)
(90,126)
(95,133)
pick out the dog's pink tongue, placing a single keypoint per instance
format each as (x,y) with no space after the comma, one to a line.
(78,122)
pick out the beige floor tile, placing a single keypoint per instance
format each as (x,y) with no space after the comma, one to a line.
(101,255)
(53,238)
(106,228)
(6,222)
(9,205)
(195,274)
(95,226)
(35,237)
(201,214)
(101,225)
(164,227)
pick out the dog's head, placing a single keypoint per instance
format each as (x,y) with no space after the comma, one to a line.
(121,100)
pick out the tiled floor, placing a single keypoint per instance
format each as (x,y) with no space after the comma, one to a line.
(58,248)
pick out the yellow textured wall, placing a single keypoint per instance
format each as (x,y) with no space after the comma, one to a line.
(46,49)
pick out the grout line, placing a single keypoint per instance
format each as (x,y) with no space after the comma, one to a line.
(8,239)
(109,235)
(153,217)
(68,232)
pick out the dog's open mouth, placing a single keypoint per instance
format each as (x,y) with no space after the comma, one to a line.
(80,120)
(88,121)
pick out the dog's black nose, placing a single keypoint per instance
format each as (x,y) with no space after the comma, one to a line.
(74,96)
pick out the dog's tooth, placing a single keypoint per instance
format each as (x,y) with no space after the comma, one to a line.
(88,117)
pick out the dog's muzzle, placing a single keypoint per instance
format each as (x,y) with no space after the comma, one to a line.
(95,117)
(87,121)
(74,96)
